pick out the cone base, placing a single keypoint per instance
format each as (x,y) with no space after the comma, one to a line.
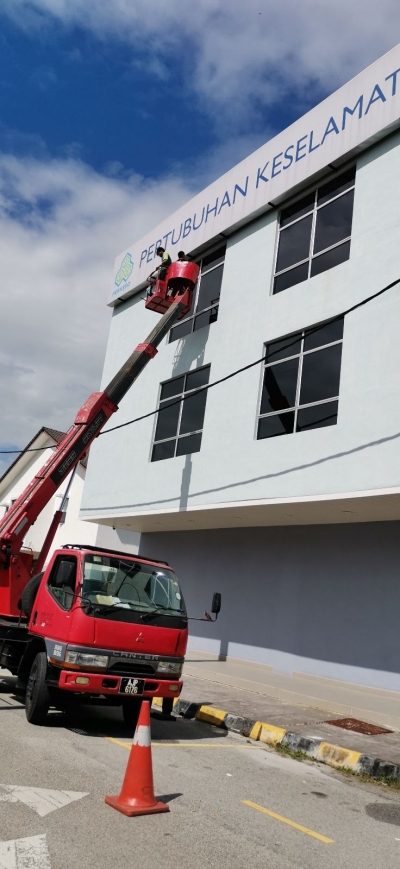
(130,810)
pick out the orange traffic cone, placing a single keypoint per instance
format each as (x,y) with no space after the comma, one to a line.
(137,792)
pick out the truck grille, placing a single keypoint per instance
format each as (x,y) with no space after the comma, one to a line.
(122,668)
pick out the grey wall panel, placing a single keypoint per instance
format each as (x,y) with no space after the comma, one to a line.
(323,600)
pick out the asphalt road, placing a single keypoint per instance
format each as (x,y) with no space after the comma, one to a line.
(232,803)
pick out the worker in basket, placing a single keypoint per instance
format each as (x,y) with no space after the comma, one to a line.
(184,257)
(160,272)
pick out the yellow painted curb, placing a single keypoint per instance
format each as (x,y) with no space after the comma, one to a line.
(256,730)
(158,701)
(211,715)
(334,755)
(270,734)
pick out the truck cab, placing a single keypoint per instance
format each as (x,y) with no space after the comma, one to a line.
(105,627)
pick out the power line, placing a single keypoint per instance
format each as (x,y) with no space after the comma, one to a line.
(31,450)
(257,361)
(233,373)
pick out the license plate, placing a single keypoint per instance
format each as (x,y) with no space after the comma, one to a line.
(131,686)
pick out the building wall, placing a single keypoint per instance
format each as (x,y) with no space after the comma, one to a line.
(320,600)
(74,530)
(358,454)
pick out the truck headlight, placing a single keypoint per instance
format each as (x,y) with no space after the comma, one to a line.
(84,659)
(172,668)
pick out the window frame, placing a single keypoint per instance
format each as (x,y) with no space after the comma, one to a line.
(300,356)
(181,398)
(51,588)
(193,315)
(314,209)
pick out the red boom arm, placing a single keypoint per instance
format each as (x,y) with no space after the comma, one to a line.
(16,566)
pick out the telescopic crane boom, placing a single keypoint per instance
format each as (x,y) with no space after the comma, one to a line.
(16,566)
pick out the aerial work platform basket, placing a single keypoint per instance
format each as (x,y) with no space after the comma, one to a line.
(178,286)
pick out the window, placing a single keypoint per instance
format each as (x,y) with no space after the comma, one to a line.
(301,381)
(181,415)
(62,580)
(314,232)
(132,585)
(205,297)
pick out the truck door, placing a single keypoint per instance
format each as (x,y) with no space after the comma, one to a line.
(51,616)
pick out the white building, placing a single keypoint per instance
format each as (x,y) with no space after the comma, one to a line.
(72,529)
(279,487)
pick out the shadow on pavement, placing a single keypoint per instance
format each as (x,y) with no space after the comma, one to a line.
(386,812)
(107,721)
(167,798)
(102,721)
(7,684)
(9,708)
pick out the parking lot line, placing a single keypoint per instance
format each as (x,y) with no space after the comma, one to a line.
(290,823)
(188,744)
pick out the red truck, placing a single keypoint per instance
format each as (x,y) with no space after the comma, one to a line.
(94,625)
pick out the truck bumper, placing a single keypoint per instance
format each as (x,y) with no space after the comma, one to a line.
(104,685)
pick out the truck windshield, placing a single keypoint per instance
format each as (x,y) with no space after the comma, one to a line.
(110,581)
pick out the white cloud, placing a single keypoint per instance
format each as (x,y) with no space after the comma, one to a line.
(61,226)
(238,58)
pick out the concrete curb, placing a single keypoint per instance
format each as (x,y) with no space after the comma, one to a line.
(270,734)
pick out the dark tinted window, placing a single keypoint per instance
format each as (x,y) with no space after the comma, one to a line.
(320,222)
(210,289)
(172,387)
(285,347)
(317,337)
(167,419)
(279,388)
(213,259)
(338,185)
(180,419)
(189,444)
(62,580)
(299,208)
(331,258)
(294,243)
(165,450)
(334,222)
(290,278)
(204,310)
(279,424)
(180,330)
(198,377)
(205,319)
(321,374)
(317,416)
(193,412)
(301,392)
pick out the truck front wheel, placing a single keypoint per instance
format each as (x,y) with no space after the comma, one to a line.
(37,701)
(130,711)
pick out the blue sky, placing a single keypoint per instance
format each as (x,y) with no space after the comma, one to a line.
(67,92)
(96,102)
(112,113)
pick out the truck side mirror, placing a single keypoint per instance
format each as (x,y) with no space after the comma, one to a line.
(215,608)
(216,603)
